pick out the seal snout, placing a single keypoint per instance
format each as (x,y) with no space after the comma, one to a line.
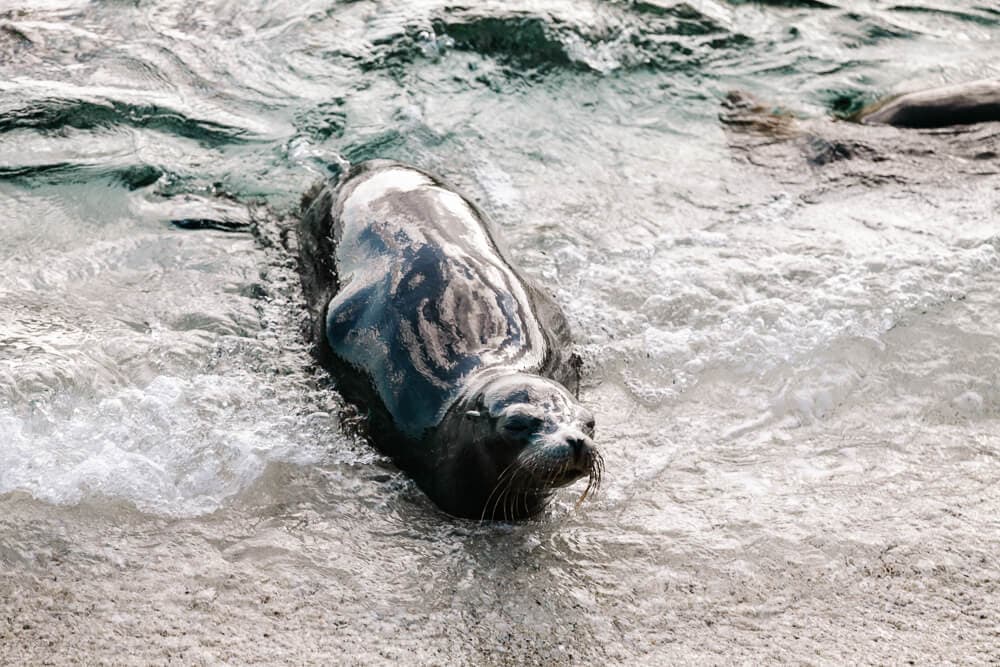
(581,451)
(573,455)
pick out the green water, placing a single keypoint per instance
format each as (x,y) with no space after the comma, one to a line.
(794,362)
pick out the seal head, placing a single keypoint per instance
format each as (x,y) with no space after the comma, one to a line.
(511,439)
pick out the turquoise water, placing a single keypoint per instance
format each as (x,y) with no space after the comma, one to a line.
(794,361)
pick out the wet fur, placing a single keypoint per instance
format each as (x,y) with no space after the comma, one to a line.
(451,459)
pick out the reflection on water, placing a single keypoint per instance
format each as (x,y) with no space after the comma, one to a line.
(791,343)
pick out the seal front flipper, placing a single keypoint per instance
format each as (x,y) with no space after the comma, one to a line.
(346,328)
(344,315)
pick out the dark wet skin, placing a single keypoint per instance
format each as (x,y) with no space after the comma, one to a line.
(963,104)
(460,363)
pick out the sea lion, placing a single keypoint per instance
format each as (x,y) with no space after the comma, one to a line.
(460,362)
(961,104)
(891,143)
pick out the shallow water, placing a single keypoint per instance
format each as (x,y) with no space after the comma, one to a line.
(795,368)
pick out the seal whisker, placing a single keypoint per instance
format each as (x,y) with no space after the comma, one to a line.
(511,495)
(598,471)
(525,469)
(513,486)
(586,492)
(500,482)
(594,476)
(557,474)
(508,497)
(497,495)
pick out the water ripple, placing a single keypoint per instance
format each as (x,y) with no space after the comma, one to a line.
(790,339)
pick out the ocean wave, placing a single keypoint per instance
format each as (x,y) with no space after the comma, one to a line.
(985,16)
(149,445)
(601,40)
(131,176)
(50,114)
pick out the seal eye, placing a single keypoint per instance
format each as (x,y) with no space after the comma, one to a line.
(590,426)
(521,424)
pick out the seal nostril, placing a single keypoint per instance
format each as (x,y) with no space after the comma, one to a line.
(577,445)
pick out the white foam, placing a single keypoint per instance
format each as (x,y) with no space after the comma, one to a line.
(176,446)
